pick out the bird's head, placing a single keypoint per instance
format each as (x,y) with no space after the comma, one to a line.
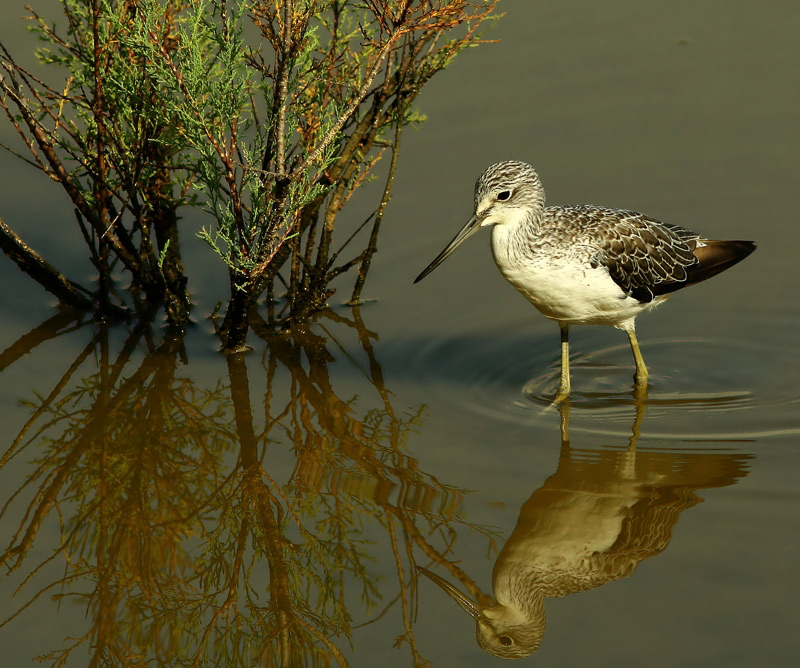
(501,630)
(507,193)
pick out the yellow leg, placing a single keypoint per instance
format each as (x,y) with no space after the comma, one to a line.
(564,384)
(640,377)
(563,411)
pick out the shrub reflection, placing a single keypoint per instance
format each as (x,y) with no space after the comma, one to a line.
(220,525)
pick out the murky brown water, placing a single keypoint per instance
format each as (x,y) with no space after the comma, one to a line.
(162,505)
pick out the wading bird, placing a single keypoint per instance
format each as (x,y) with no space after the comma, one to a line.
(586,265)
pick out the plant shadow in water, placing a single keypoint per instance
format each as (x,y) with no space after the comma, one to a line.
(176,524)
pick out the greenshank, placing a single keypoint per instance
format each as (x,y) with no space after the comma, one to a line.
(586,265)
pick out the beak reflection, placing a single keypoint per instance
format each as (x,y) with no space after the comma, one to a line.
(465,602)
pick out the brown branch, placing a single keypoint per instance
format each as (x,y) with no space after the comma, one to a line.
(358,97)
(59,173)
(372,246)
(33,264)
(283,90)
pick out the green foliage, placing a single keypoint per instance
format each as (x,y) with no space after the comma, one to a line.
(269,115)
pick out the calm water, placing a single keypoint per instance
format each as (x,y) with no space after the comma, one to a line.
(164,505)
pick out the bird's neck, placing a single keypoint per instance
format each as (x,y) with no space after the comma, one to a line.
(515,236)
(520,600)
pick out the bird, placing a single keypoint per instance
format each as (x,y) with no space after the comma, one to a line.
(593,521)
(585,264)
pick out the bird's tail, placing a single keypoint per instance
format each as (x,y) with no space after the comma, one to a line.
(716,256)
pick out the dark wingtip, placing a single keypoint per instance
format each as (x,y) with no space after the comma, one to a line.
(748,247)
(739,247)
(714,257)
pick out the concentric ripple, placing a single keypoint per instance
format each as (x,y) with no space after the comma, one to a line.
(704,389)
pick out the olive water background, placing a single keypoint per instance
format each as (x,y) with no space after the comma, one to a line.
(685,111)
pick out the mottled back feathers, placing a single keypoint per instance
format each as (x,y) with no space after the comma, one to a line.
(644,256)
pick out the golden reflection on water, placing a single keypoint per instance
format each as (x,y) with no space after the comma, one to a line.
(178,528)
(593,521)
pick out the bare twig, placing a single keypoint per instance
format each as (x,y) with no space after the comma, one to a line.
(33,264)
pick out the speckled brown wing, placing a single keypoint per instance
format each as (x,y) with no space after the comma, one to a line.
(644,256)
(647,258)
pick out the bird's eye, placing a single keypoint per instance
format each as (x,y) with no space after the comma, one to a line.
(505,641)
(503,195)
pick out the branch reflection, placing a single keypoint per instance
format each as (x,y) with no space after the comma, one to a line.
(223,525)
(593,521)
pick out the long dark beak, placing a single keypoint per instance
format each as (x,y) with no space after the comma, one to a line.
(465,602)
(473,225)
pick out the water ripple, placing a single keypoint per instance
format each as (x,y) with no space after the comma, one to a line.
(720,389)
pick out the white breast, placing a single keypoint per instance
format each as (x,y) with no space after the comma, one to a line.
(564,287)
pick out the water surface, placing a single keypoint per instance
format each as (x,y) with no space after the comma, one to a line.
(164,505)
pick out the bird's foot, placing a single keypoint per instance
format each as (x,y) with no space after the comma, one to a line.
(640,386)
(561,396)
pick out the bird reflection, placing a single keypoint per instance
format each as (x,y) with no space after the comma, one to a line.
(593,521)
